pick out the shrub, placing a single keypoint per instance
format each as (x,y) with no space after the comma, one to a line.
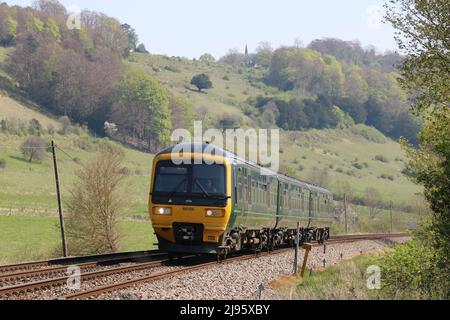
(124,171)
(35,127)
(202,81)
(226,78)
(409,272)
(34,148)
(50,129)
(358,165)
(172,69)
(381,158)
(2,164)
(65,125)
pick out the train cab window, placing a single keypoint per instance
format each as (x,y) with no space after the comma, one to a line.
(208,179)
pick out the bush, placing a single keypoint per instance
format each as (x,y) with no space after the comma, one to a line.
(172,69)
(358,165)
(50,129)
(226,78)
(65,125)
(35,127)
(410,272)
(2,164)
(34,148)
(124,171)
(202,81)
(382,158)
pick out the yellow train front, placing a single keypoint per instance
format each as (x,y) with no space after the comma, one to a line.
(190,204)
(214,202)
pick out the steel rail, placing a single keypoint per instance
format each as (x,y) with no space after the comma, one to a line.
(76,260)
(28,287)
(83,266)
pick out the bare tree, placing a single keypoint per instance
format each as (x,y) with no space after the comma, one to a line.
(34,148)
(95,205)
(319,177)
(372,200)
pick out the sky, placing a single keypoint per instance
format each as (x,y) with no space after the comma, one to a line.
(190,28)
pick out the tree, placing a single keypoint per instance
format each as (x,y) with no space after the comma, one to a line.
(372,199)
(133,38)
(207,58)
(202,81)
(233,58)
(65,125)
(319,177)
(34,148)
(263,55)
(141,48)
(95,204)
(141,109)
(422,34)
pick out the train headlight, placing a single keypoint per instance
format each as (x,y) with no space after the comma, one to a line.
(215,213)
(162,211)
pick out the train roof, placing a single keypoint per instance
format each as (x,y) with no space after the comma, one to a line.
(214,150)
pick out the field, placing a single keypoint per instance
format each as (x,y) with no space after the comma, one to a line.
(36,238)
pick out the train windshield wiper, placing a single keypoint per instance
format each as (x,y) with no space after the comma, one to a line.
(201,187)
(172,193)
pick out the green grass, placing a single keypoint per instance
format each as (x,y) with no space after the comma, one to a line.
(35,238)
(30,187)
(359,220)
(225,97)
(337,149)
(345,281)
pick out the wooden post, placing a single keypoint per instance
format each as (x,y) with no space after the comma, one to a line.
(345,214)
(297,244)
(58,195)
(307,247)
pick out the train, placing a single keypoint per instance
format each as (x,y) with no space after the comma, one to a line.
(218,203)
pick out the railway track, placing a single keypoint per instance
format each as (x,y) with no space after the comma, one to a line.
(126,284)
(102,258)
(25,288)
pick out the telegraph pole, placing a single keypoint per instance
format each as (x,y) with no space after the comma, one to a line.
(392,220)
(297,244)
(58,195)
(345,214)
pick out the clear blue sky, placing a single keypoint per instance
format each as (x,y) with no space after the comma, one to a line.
(192,27)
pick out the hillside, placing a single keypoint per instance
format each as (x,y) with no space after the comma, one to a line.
(336,150)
